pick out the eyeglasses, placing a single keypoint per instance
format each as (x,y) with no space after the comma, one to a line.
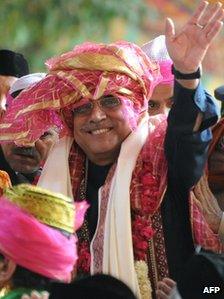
(105,103)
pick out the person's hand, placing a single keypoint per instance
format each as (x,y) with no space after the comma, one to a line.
(36,295)
(188,47)
(164,288)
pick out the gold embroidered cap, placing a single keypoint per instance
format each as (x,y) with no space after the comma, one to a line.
(53,209)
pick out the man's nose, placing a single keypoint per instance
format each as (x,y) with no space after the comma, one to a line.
(97,114)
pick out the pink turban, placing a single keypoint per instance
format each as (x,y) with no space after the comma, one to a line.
(89,71)
(30,220)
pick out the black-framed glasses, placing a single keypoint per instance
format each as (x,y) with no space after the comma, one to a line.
(105,103)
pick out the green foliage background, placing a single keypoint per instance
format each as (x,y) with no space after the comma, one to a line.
(42,28)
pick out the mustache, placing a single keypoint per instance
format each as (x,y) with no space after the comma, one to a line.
(26,151)
(95,126)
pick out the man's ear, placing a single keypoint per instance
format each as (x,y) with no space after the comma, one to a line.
(7,268)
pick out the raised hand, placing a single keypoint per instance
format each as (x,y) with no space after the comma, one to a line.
(188,47)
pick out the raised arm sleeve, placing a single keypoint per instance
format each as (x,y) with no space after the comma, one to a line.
(186,150)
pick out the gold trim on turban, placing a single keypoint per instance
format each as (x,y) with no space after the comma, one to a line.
(44,104)
(96,62)
(75,82)
(105,62)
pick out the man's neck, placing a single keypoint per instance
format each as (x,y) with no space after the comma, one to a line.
(104,159)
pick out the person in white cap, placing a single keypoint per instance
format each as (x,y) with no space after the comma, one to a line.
(162,96)
(24,164)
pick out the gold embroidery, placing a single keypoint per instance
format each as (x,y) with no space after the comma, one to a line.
(5,126)
(55,103)
(97,62)
(102,85)
(125,91)
(53,209)
(13,136)
(75,82)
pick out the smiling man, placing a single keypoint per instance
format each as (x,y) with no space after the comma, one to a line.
(100,127)
(138,226)
(23,164)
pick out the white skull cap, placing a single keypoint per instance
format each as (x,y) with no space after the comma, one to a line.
(156,49)
(26,81)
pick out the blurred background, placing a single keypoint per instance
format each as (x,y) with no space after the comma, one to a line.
(43,28)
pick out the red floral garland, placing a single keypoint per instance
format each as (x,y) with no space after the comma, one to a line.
(152,157)
(141,224)
(141,233)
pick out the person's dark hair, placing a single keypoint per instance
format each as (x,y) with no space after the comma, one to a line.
(16,93)
(13,64)
(98,286)
(205,269)
(23,278)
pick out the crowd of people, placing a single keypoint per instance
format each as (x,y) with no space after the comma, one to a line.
(111,170)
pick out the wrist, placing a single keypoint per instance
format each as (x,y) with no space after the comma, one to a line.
(186,74)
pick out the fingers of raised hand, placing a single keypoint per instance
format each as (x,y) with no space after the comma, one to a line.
(208,22)
(212,30)
(201,9)
(211,13)
(169,29)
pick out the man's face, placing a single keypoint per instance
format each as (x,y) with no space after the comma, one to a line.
(100,131)
(29,159)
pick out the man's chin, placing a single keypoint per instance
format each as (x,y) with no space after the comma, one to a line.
(25,170)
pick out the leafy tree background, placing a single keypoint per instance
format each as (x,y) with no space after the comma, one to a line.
(43,28)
